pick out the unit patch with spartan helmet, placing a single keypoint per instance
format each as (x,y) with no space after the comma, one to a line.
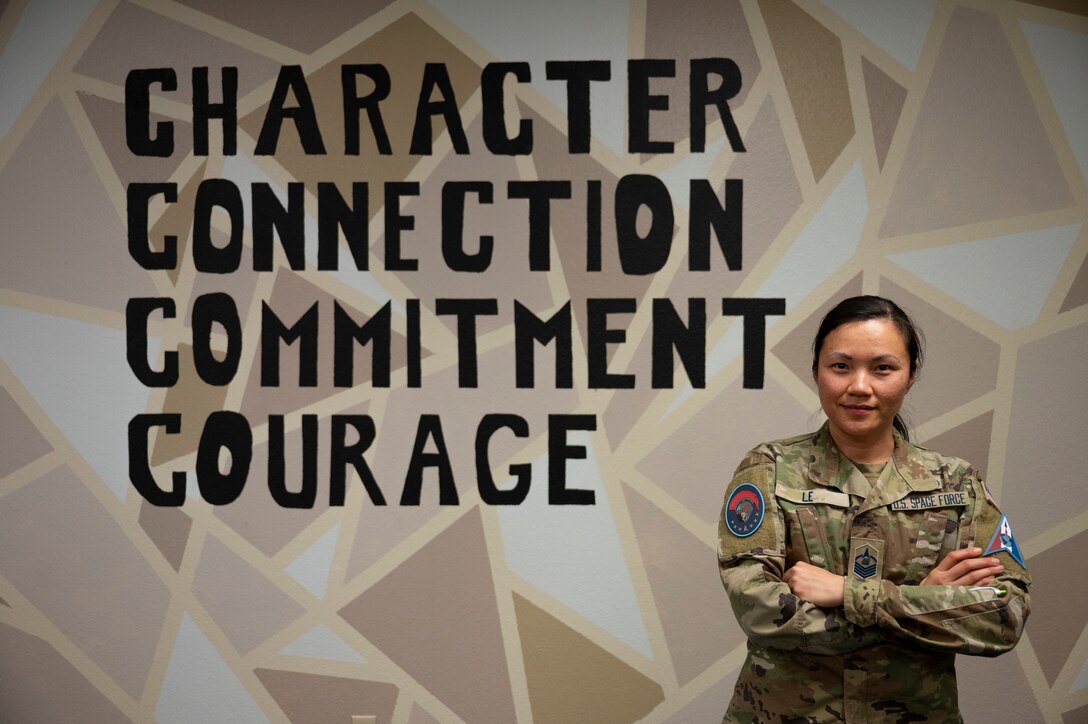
(744,510)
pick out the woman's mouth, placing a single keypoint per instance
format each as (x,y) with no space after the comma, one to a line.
(859,409)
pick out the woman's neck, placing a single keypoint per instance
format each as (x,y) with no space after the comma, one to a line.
(878,450)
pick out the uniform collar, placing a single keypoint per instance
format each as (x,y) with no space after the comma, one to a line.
(906,474)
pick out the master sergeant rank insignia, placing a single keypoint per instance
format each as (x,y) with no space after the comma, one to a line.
(866,561)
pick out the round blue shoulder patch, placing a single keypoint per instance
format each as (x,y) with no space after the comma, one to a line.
(744,510)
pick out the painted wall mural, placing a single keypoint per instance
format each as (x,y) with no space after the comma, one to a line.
(456,315)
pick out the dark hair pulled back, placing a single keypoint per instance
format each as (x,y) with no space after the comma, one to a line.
(862,309)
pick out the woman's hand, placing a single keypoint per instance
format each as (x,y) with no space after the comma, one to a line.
(815,585)
(964,567)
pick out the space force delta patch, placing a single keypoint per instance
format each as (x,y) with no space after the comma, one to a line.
(1004,541)
(744,510)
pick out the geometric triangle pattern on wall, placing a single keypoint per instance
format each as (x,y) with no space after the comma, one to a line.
(1006,279)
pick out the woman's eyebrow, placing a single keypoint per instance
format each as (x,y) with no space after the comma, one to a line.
(877,358)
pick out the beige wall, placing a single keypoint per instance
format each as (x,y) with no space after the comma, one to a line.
(933,152)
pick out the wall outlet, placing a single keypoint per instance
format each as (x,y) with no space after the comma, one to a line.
(363,719)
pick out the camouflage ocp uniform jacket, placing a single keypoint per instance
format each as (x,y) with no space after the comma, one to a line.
(888,653)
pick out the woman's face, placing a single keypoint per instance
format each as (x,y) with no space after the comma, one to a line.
(862,375)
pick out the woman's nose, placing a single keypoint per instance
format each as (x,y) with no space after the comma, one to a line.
(859,384)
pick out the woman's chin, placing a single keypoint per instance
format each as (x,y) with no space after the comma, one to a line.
(861,429)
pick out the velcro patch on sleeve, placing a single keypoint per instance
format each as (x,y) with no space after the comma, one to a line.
(993,533)
(1003,541)
(748,522)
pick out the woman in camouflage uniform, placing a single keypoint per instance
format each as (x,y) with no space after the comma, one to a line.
(857,563)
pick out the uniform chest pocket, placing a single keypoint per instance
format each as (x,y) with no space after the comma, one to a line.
(806,539)
(815,522)
(932,534)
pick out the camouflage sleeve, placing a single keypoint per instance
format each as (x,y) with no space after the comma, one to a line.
(751,560)
(982,621)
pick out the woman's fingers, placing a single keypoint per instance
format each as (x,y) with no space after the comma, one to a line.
(964,567)
(979,576)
